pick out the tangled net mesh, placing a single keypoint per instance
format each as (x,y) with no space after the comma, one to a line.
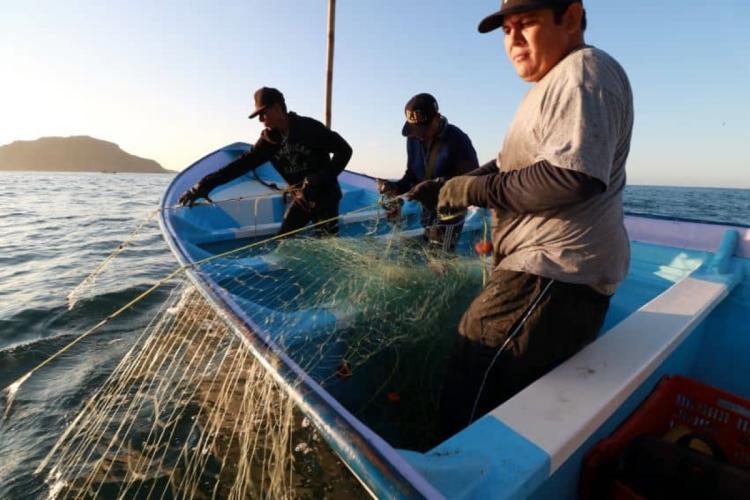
(190,411)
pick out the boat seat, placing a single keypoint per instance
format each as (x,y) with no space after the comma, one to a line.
(560,410)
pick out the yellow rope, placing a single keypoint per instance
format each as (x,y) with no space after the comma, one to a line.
(73,295)
(289,189)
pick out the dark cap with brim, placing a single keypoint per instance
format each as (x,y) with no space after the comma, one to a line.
(508,7)
(419,111)
(265,97)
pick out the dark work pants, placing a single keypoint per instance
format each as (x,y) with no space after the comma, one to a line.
(516,330)
(299,214)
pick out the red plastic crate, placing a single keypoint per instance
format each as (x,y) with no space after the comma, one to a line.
(677,400)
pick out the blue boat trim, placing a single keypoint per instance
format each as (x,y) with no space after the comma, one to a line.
(720,268)
(486,460)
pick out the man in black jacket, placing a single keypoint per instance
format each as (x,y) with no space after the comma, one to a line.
(300,149)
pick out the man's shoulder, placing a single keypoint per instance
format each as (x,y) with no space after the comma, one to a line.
(305,122)
(586,68)
(455,133)
(601,58)
(591,52)
(591,64)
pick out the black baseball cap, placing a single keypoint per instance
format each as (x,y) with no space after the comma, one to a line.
(265,97)
(507,7)
(419,111)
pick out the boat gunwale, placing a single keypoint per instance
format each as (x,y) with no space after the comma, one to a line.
(631,213)
(681,233)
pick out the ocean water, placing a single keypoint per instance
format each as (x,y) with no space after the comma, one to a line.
(56,229)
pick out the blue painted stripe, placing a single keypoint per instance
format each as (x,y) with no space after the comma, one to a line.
(720,268)
(720,262)
(486,460)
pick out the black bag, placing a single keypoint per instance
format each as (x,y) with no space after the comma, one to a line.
(660,469)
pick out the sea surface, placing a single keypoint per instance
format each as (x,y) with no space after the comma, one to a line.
(57,228)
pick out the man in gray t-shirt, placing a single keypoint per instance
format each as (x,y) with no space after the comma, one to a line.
(559,240)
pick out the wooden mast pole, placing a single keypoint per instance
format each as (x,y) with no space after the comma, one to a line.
(329,60)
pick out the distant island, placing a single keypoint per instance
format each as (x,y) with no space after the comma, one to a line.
(73,154)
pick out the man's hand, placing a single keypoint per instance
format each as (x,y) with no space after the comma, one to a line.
(387,187)
(310,188)
(454,196)
(426,192)
(189,197)
(392,209)
(306,193)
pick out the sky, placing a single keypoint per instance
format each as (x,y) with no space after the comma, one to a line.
(173,80)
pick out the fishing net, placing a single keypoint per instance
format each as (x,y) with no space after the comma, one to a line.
(188,412)
(370,319)
(193,411)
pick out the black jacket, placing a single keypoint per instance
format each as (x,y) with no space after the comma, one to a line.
(305,153)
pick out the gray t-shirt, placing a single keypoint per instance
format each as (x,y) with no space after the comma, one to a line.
(579,116)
